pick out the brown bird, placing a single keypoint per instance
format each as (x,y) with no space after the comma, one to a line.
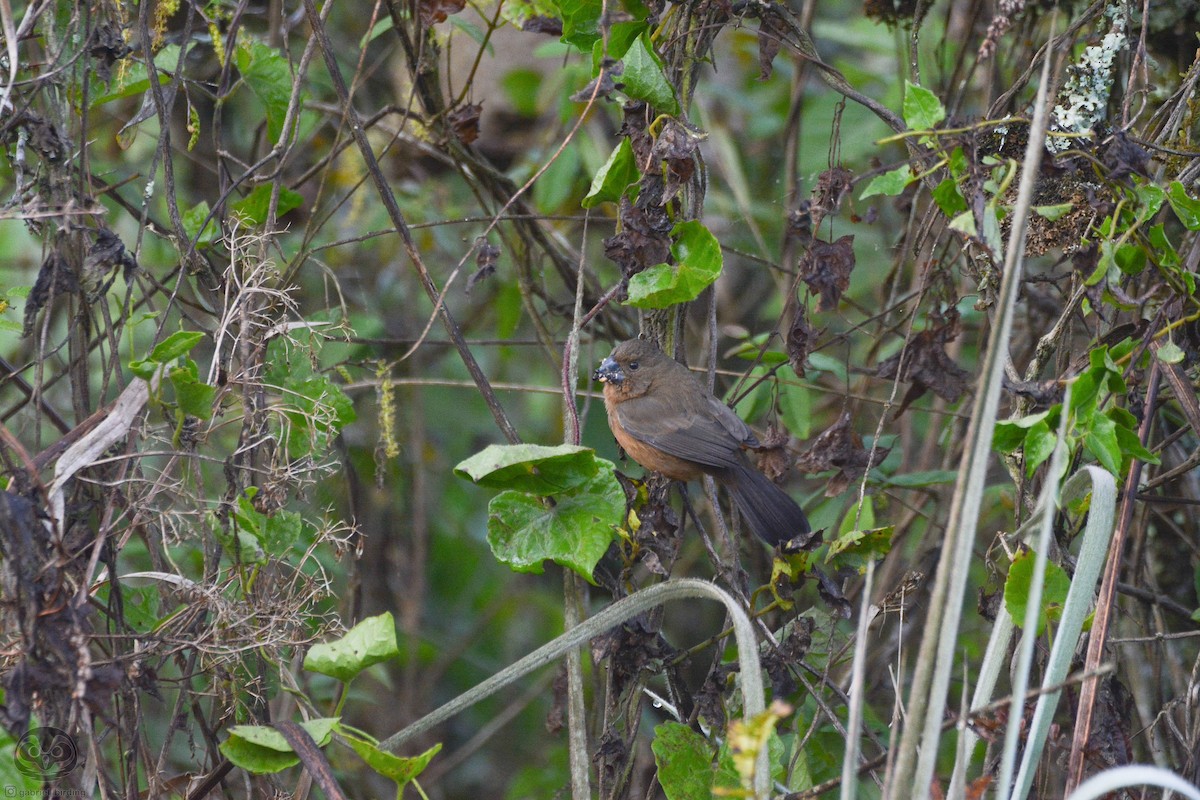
(666,420)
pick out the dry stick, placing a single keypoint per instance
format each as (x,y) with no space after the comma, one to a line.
(600,304)
(1139,65)
(1104,603)
(401,226)
(620,611)
(1167,120)
(10,38)
(1183,468)
(574,591)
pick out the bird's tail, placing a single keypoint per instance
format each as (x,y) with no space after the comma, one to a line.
(772,514)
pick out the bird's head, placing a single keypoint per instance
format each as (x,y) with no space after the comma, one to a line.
(626,360)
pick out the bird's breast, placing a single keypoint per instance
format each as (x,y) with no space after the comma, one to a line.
(649,456)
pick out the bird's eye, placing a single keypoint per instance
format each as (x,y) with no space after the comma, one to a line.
(633,365)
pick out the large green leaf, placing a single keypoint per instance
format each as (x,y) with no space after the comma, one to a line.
(262,749)
(1101,441)
(698,263)
(572,529)
(949,198)
(399,769)
(130,87)
(1164,251)
(534,468)
(253,207)
(890,183)
(1150,200)
(370,642)
(1016,589)
(276,533)
(922,108)
(193,218)
(1185,207)
(857,548)
(617,174)
(581,22)
(175,345)
(620,37)
(134,80)
(685,762)
(268,75)
(644,78)
(194,396)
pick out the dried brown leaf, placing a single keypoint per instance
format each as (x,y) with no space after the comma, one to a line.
(769,41)
(840,448)
(826,268)
(486,256)
(543,24)
(464,121)
(925,363)
(432,12)
(799,341)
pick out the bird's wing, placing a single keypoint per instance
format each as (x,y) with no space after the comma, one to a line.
(708,433)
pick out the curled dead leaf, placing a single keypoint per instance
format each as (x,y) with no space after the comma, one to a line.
(826,268)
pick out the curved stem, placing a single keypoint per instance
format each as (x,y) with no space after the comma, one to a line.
(753,699)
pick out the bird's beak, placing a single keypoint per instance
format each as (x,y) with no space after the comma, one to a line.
(609,371)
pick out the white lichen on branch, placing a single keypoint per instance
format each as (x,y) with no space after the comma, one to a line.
(1083,100)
